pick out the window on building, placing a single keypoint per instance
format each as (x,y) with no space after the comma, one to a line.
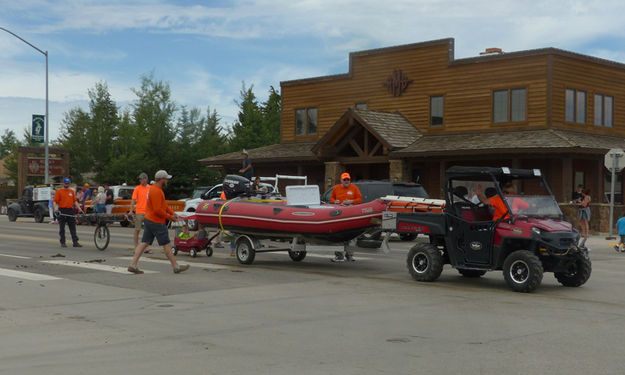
(517,105)
(305,121)
(311,121)
(604,110)
(509,105)
(300,121)
(436,110)
(361,105)
(575,106)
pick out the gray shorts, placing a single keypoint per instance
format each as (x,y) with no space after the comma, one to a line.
(584,213)
(139,221)
(152,230)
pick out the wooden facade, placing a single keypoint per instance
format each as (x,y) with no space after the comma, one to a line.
(467,87)
(405,80)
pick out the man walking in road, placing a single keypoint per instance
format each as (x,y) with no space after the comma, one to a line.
(156,213)
(64,202)
(138,204)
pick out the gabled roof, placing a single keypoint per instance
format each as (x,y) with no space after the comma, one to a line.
(281,152)
(392,129)
(551,140)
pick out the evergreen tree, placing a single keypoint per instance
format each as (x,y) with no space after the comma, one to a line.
(8,143)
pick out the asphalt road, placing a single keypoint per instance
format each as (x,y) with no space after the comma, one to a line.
(77,311)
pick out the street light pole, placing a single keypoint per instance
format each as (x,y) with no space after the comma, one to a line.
(45,53)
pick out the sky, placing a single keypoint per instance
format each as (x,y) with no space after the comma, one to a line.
(205,50)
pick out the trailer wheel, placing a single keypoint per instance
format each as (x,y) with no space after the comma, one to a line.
(245,251)
(471,273)
(101,237)
(523,271)
(209,251)
(425,262)
(297,256)
(174,250)
(193,252)
(12,214)
(38,216)
(577,274)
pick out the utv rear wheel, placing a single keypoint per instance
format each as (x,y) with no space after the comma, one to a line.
(523,271)
(425,262)
(577,274)
(471,273)
(12,214)
(38,216)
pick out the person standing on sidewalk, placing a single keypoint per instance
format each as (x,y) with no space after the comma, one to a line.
(64,202)
(110,199)
(156,213)
(584,215)
(138,205)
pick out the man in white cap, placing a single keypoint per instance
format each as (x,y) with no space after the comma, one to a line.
(156,213)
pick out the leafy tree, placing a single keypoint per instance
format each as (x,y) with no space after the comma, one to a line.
(272,111)
(74,128)
(153,114)
(247,131)
(103,127)
(8,143)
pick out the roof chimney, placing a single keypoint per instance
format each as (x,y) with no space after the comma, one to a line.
(492,51)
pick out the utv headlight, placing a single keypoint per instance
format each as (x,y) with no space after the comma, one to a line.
(536,231)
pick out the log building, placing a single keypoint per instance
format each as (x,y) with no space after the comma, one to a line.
(409,112)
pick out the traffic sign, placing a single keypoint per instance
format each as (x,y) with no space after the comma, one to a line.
(610,162)
(38,130)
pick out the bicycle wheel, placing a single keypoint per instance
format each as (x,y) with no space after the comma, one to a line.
(101,237)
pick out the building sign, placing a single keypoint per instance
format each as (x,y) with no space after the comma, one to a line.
(397,82)
(37,134)
(37,167)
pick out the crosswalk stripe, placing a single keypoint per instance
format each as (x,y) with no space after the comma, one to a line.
(93,266)
(13,256)
(26,275)
(193,264)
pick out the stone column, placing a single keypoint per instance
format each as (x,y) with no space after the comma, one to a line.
(333,173)
(396,170)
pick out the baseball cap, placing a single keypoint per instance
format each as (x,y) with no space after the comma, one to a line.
(162,174)
(86,184)
(142,176)
(345,175)
(244,151)
(66,180)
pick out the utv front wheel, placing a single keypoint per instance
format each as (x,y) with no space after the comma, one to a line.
(425,262)
(523,271)
(577,273)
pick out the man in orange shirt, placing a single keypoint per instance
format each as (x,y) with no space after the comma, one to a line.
(64,202)
(156,213)
(138,204)
(345,193)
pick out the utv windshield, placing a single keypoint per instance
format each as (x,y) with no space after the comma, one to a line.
(532,199)
(533,206)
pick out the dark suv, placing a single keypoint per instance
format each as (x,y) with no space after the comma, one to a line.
(372,190)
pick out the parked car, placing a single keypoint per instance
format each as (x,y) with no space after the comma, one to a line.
(30,205)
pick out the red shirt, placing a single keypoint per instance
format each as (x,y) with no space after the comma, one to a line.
(342,194)
(156,209)
(65,198)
